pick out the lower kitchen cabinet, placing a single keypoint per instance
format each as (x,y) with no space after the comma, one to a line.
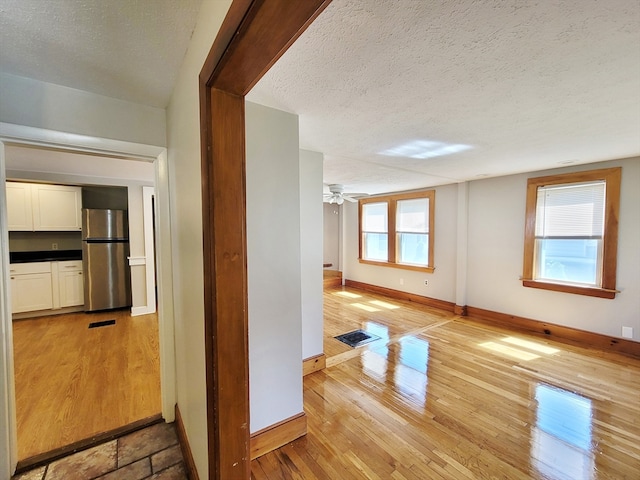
(31,288)
(70,283)
(46,285)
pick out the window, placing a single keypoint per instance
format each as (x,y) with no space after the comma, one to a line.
(397,230)
(571,232)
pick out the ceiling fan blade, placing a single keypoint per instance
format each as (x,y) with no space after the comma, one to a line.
(349,199)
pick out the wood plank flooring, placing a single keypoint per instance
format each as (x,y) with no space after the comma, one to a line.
(447,398)
(73,382)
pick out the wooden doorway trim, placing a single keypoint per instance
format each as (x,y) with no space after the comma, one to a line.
(254,34)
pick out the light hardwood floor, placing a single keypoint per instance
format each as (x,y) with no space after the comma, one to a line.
(441,396)
(73,382)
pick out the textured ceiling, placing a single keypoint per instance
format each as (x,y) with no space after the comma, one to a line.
(126,49)
(513,86)
(398,94)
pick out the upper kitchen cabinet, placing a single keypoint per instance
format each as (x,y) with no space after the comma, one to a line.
(43,207)
(19,210)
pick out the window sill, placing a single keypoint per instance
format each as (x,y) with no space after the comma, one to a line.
(558,287)
(398,265)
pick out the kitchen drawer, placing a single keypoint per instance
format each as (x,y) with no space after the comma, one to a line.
(70,266)
(27,268)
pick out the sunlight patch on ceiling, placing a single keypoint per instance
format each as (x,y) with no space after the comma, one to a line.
(422,149)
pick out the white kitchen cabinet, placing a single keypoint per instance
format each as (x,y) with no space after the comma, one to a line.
(43,207)
(56,207)
(19,210)
(31,287)
(46,285)
(70,283)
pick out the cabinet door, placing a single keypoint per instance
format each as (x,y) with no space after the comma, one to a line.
(71,288)
(31,292)
(56,207)
(19,213)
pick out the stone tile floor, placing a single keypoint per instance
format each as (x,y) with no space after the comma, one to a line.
(151,453)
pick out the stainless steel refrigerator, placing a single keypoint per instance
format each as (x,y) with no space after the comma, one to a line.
(105,251)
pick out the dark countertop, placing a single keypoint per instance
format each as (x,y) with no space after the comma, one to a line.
(45,256)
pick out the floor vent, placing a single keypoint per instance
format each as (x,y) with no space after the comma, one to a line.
(357,338)
(104,323)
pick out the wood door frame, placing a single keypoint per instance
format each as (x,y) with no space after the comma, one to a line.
(254,34)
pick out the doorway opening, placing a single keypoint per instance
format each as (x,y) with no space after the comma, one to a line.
(144,334)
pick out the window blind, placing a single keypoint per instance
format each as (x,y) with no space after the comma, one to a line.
(374,217)
(413,215)
(571,211)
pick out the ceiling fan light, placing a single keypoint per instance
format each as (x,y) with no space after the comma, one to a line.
(340,200)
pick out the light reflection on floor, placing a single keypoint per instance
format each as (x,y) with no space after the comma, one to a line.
(524,352)
(347,294)
(387,305)
(366,308)
(407,361)
(561,444)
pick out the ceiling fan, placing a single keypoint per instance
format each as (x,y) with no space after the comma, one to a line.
(338,196)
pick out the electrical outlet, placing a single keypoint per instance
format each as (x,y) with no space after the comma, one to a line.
(54,246)
(627,332)
(402,281)
(426,283)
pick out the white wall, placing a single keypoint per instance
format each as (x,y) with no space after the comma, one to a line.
(25,101)
(442,282)
(331,235)
(273,265)
(183,142)
(496,236)
(311,248)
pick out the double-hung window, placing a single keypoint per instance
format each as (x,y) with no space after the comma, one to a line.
(571,232)
(397,230)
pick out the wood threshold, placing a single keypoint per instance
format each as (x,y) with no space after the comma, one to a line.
(412,297)
(48,457)
(314,364)
(558,333)
(189,463)
(277,435)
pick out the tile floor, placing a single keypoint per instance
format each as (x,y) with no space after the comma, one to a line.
(151,453)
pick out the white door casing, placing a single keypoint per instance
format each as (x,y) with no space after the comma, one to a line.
(24,135)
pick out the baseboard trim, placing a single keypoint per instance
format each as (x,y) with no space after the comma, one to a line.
(189,464)
(48,457)
(460,310)
(314,364)
(277,435)
(557,332)
(143,310)
(46,313)
(412,297)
